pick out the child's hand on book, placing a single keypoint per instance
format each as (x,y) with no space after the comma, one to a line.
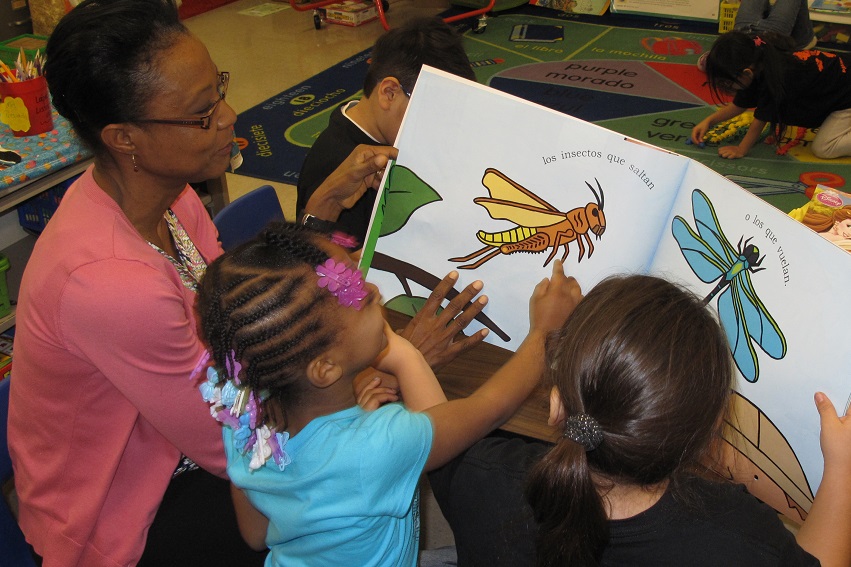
(835,434)
(553,300)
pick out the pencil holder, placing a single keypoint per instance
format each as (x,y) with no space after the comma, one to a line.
(25,107)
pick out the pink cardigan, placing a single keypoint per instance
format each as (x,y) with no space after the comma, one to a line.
(101,403)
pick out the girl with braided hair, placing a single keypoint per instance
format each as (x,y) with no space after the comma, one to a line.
(809,89)
(318,479)
(641,376)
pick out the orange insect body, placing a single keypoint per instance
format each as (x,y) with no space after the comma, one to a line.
(540,225)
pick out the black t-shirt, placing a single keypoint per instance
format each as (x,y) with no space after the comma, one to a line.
(722,524)
(331,148)
(818,84)
(481,494)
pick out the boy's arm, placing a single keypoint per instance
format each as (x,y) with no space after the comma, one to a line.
(826,533)
(252,524)
(460,423)
(751,138)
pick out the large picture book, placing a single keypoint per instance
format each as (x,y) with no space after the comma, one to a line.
(497,188)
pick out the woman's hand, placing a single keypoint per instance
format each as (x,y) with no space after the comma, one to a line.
(360,171)
(826,533)
(439,334)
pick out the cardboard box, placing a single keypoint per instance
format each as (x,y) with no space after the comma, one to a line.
(350,13)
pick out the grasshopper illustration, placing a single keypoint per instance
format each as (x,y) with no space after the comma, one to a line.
(539,225)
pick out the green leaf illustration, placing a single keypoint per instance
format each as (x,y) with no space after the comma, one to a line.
(406,304)
(404,193)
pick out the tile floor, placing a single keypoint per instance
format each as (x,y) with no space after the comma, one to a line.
(266,55)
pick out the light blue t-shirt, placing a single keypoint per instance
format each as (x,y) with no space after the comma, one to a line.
(349,496)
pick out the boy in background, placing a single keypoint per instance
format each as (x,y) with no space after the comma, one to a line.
(397,58)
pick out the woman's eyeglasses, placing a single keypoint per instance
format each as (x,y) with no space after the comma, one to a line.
(204,121)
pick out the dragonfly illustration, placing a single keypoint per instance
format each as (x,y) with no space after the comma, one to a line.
(743,315)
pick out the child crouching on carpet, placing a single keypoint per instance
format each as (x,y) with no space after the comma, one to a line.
(810,89)
(319,480)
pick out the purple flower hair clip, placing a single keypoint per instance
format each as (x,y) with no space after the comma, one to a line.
(347,241)
(344,283)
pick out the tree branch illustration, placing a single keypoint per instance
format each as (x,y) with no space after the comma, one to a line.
(406,273)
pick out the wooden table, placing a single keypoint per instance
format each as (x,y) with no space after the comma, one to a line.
(467,372)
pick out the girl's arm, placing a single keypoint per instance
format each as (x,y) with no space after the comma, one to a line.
(434,333)
(826,533)
(723,113)
(460,423)
(751,137)
(437,333)
(252,524)
(417,383)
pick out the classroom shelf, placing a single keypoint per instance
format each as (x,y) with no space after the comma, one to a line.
(818,16)
(19,252)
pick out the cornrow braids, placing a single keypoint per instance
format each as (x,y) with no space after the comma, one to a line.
(259,305)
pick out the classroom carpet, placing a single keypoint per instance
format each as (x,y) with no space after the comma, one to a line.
(636,76)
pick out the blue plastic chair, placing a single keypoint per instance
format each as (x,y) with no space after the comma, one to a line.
(14,549)
(244,218)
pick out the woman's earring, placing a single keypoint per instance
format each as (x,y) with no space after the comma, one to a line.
(135,167)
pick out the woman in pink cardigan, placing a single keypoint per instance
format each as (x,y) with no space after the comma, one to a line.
(116,460)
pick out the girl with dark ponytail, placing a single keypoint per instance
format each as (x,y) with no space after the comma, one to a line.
(810,89)
(641,375)
(640,379)
(638,357)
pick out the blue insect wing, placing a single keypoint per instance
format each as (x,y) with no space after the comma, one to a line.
(706,264)
(733,321)
(759,322)
(709,229)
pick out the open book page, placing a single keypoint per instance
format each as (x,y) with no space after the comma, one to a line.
(497,188)
(779,290)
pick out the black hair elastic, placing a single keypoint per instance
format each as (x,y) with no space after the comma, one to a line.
(583,429)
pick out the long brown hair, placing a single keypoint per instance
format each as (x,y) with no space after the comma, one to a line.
(649,362)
